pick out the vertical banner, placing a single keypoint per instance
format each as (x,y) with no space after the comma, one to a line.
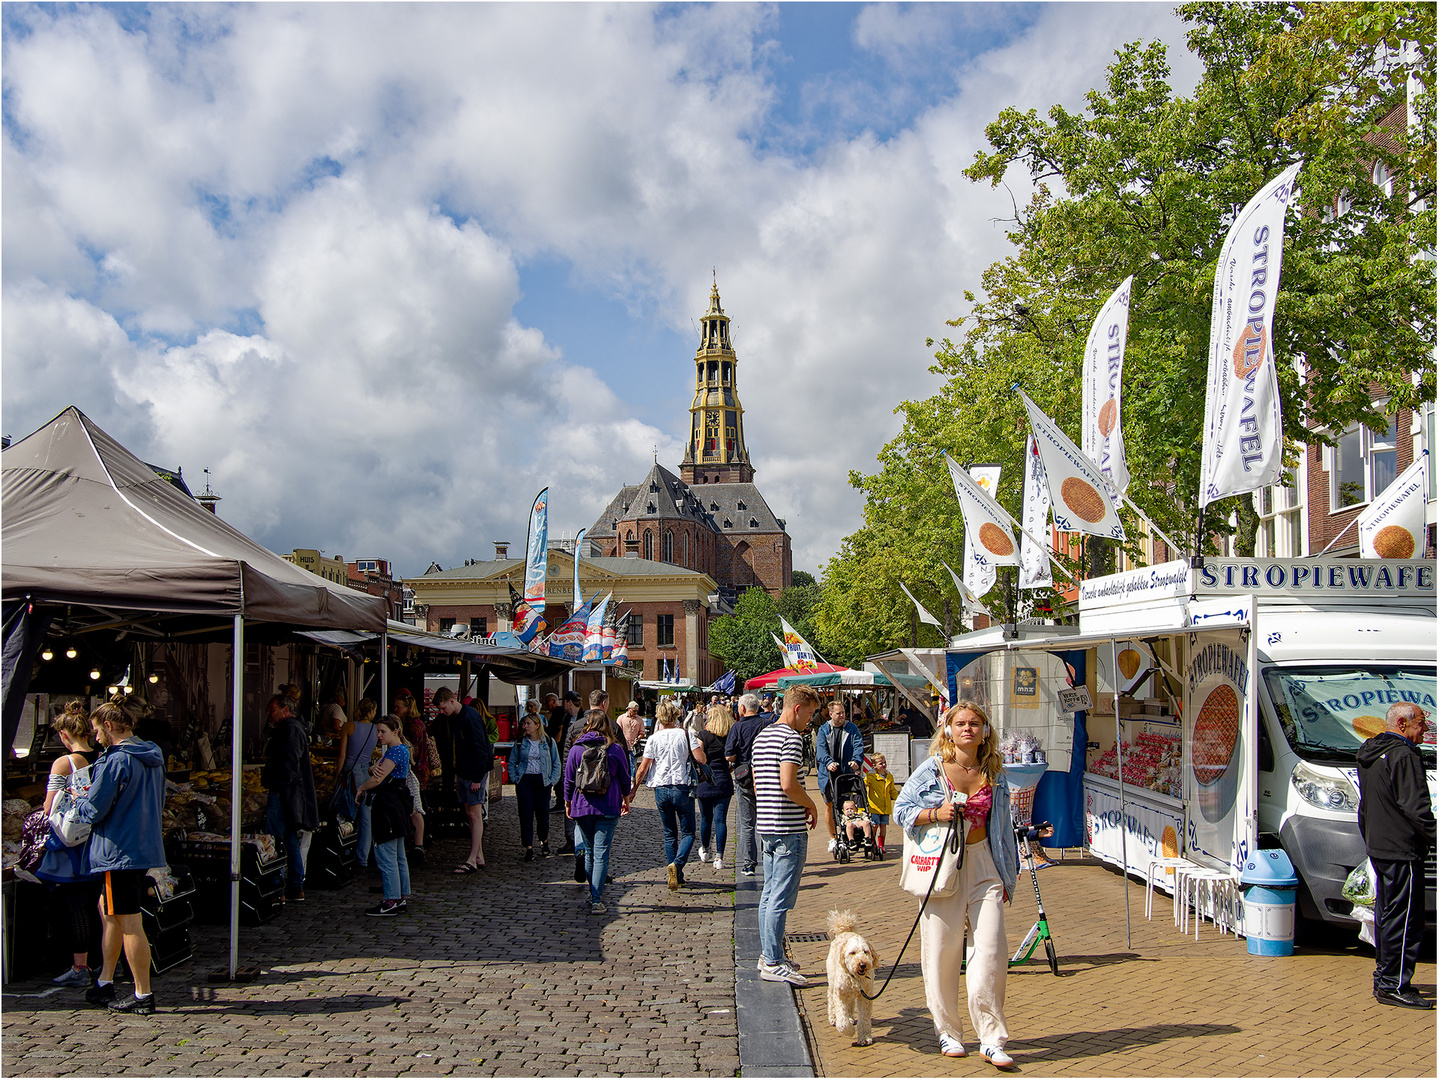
(1392,527)
(595,631)
(1103,436)
(532,621)
(1220,735)
(801,654)
(1243,434)
(988,540)
(579,540)
(1034,572)
(1080,492)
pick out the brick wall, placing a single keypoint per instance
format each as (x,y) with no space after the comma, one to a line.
(1324,526)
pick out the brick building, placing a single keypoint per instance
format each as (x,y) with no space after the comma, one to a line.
(667,605)
(373,576)
(710,518)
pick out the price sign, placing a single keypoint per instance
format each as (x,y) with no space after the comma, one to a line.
(1075,699)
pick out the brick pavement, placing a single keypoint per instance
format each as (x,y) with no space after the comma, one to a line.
(499,973)
(1165,1005)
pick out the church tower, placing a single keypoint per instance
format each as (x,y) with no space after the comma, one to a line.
(716,452)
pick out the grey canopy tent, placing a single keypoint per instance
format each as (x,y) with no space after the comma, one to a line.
(90,530)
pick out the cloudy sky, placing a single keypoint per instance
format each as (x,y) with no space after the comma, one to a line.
(388,270)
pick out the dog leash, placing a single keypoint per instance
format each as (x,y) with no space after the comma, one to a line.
(953,843)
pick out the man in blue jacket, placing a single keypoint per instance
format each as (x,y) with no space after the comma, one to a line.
(838,746)
(123,810)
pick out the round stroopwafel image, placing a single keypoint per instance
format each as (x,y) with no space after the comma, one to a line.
(1129,661)
(1108,414)
(1169,845)
(1082,498)
(1216,730)
(1249,350)
(993,539)
(1366,727)
(1394,542)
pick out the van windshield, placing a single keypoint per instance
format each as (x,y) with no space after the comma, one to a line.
(1327,711)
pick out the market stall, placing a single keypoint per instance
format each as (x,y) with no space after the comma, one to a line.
(98,548)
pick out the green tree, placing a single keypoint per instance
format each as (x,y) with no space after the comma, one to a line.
(1146,182)
(745,640)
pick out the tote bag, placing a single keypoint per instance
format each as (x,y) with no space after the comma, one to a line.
(934,859)
(64,819)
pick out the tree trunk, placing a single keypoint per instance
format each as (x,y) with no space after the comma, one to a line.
(948,622)
(1247,531)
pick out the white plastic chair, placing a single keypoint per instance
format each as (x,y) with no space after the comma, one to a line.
(1202,883)
(1157,866)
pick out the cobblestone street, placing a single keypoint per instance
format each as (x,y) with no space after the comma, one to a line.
(504,973)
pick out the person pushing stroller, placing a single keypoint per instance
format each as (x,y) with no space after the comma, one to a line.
(850,812)
(839,755)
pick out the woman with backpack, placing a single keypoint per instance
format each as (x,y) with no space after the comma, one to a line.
(668,753)
(68,868)
(535,767)
(597,785)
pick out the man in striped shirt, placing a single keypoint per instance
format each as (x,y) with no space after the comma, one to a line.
(783,815)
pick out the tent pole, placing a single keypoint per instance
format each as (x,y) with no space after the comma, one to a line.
(237,792)
(1123,818)
(384,672)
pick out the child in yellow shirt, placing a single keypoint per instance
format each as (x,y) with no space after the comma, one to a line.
(880,791)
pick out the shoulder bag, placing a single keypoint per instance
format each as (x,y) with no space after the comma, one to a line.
(930,865)
(64,821)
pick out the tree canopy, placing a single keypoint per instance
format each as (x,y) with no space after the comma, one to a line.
(1146,182)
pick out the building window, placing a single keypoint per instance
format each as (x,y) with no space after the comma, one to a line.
(1363,465)
(445,625)
(1281,520)
(480,627)
(669,546)
(635,630)
(687,551)
(1382,180)
(1428,444)
(649,548)
(664,630)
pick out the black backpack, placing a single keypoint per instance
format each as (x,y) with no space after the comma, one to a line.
(593,775)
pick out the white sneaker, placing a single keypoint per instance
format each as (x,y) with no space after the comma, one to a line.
(996,1057)
(719,862)
(833,842)
(704,855)
(782,973)
(949,1046)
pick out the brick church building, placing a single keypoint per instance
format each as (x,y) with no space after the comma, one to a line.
(711,517)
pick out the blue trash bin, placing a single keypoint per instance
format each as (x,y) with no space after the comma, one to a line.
(1269,885)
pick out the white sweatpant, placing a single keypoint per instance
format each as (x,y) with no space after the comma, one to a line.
(978,902)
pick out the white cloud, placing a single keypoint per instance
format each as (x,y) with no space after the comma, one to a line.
(283,242)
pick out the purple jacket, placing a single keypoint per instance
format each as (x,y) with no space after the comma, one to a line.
(611,802)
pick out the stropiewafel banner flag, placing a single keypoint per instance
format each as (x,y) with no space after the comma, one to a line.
(1103,435)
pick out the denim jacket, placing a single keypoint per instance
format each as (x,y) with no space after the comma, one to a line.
(552,767)
(924,790)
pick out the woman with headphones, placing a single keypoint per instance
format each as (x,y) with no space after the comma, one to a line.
(964,775)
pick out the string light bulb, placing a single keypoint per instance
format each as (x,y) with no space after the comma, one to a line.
(47,653)
(95,673)
(71,653)
(154,678)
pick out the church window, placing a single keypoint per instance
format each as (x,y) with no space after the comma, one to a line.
(669,546)
(687,550)
(724,369)
(649,544)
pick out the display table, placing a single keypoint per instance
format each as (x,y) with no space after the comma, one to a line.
(1150,826)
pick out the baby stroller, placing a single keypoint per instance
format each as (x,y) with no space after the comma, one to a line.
(844,788)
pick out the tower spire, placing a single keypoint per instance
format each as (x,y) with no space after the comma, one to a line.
(716,452)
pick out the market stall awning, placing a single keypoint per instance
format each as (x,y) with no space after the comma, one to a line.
(505,663)
(674,687)
(848,678)
(768,680)
(85,522)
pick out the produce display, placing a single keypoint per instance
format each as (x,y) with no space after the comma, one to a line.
(1152,761)
(203,802)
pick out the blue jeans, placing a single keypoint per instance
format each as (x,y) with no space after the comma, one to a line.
(746,847)
(713,810)
(361,773)
(597,832)
(394,868)
(296,843)
(784,855)
(677,810)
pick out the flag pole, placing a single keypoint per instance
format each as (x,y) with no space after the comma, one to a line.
(1352,522)
(1144,517)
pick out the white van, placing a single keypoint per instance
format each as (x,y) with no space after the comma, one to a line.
(1327,678)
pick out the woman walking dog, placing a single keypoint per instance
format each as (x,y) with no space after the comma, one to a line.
(964,775)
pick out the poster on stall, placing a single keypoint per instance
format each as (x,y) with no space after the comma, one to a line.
(1153,832)
(1220,732)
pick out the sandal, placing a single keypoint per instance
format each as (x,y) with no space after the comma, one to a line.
(465,868)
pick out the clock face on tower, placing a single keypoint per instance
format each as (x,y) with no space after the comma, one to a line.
(713,418)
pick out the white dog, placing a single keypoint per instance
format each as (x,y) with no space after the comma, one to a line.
(850,968)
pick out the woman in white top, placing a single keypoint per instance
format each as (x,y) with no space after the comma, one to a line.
(666,764)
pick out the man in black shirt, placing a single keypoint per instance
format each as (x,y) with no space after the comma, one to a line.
(474,758)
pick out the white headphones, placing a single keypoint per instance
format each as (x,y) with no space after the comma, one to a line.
(983,732)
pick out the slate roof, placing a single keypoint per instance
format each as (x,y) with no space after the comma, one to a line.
(721,508)
(561,569)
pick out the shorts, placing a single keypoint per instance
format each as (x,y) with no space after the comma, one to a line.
(123,890)
(413,783)
(466,796)
(878,819)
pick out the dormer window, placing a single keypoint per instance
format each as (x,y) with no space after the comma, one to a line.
(753,524)
(653,487)
(714,506)
(650,508)
(741,504)
(728,524)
